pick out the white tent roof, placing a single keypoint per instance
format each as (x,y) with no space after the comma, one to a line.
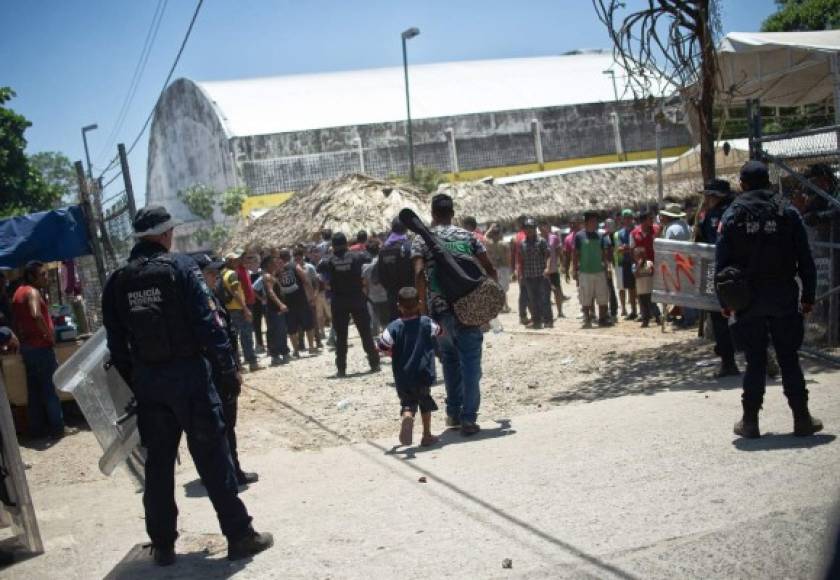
(782,69)
(805,147)
(299,102)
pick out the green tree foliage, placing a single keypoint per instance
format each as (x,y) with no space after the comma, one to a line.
(200,200)
(22,189)
(57,173)
(232,201)
(428,179)
(800,15)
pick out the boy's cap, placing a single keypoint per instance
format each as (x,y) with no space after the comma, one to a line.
(153,220)
(627,213)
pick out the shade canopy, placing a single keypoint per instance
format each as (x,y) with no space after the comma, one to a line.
(782,69)
(47,236)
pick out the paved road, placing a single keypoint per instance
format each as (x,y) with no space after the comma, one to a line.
(633,487)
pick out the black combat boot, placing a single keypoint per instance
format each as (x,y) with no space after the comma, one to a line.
(803,423)
(728,368)
(747,427)
(163,555)
(253,543)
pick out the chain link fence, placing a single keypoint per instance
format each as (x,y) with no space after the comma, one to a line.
(452,154)
(804,165)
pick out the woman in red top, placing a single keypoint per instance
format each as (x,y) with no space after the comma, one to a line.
(37,337)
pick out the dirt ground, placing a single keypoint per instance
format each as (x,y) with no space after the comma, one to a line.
(303,407)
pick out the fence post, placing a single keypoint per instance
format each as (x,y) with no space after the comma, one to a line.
(90,222)
(361,150)
(660,193)
(535,129)
(453,151)
(129,188)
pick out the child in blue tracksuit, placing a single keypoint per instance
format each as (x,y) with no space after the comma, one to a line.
(411,342)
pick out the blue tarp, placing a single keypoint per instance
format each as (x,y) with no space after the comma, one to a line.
(48,236)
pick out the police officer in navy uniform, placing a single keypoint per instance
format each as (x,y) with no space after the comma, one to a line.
(165,337)
(764,237)
(229,393)
(344,270)
(718,197)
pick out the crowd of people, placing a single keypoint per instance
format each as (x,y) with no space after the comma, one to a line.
(181,328)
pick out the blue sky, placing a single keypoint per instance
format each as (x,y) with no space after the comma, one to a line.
(71,63)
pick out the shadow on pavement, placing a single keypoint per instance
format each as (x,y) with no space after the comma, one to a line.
(678,366)
(453,437)
(773,441)
(195,488)
(204,564)
(475,501)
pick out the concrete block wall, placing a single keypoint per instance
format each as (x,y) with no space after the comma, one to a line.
(288,161)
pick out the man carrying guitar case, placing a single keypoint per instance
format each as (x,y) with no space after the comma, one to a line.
(457,286)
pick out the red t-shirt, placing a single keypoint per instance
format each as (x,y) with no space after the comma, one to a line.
(247,287)
(640,239)
(28,331)
(517,242)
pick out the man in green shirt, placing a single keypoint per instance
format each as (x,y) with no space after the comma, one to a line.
(591,263)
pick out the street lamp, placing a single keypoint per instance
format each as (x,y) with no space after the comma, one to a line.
(406,35)
(85,129)
(619,149)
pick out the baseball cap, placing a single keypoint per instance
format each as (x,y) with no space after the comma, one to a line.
(529,223)
(627,213)
(153,220)
(718,187)
(207,262)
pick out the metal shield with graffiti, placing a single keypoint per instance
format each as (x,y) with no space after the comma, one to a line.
(684,274)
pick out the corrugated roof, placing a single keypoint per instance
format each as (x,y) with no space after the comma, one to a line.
(282,104)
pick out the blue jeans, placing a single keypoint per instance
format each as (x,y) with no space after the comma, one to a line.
(245,329)
(460,349)
(43,404)
(175,398)
(276,333)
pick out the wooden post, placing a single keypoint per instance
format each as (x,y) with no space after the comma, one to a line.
(90,222)
(129,188)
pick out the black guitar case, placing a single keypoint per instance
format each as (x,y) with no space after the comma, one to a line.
(476,298)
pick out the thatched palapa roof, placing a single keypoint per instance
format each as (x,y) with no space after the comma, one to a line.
(561,195)
(345,204)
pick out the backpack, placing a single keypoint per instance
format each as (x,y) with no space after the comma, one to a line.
(476,298)
(394,269)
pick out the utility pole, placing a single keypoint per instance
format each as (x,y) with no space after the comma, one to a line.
(129,189)
(90,222)
(406,35)
(85,129)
